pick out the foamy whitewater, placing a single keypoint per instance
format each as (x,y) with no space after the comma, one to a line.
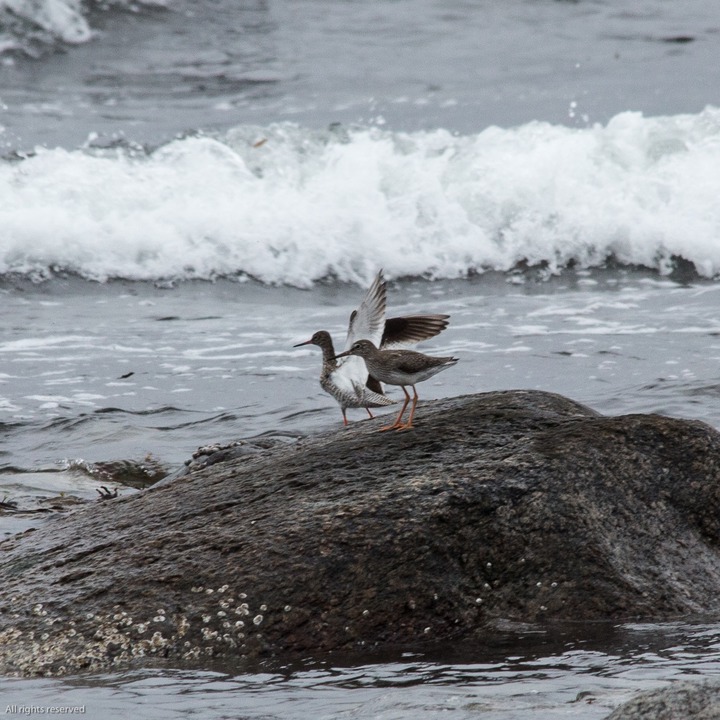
(288,205)
(34,26)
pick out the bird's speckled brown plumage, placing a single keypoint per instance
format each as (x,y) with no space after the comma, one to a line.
(349,381)
(399,367)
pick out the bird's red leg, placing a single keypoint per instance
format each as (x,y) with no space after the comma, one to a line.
(408,425)
(345,422)
(397,424)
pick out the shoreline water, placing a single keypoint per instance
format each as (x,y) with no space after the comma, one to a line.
(198,340)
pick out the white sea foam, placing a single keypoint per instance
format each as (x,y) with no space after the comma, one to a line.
(62,19)
(32,344)
(305,204)
(36,22)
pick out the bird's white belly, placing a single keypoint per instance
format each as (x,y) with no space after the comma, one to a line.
(394,377)
(347,383)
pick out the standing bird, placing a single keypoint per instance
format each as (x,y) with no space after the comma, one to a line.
(399,367)
(348,381)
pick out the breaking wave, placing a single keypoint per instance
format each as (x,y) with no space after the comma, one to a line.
(290,205)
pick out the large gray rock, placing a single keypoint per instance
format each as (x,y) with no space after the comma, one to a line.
(510,505)
(679,701)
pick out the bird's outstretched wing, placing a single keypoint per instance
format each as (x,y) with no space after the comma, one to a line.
(404,331)
(368,321)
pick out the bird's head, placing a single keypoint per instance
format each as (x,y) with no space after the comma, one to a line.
(320,338)
(361,348)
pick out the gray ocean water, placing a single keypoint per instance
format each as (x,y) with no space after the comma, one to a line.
(152,71)
(115,383)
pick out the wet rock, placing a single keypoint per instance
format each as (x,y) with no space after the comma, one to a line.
(211,454)
(679,701)
(514,506)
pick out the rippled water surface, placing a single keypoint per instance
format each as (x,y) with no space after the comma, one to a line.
(125,369)
(535,674)
(182,65)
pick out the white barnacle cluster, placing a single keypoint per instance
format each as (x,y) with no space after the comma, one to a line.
(121,618)
(190,651)
(209,634)
(10,635)
(91,641)
(157,641)
(552,585)
(479,600)
(225,620)
(95,640)
(183,625)
(226,625)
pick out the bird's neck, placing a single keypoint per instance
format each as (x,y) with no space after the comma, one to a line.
(373,354)
(328,353)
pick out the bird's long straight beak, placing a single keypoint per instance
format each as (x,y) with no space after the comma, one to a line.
(342,354)
(307,342)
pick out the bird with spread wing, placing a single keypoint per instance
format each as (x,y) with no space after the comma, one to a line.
(347,379)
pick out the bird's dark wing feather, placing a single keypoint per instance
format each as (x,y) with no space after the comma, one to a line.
(403,331)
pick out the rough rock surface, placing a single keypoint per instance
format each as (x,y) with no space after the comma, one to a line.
(515,505)
(679,701)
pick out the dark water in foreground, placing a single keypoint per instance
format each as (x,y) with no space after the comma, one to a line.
(533,674)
